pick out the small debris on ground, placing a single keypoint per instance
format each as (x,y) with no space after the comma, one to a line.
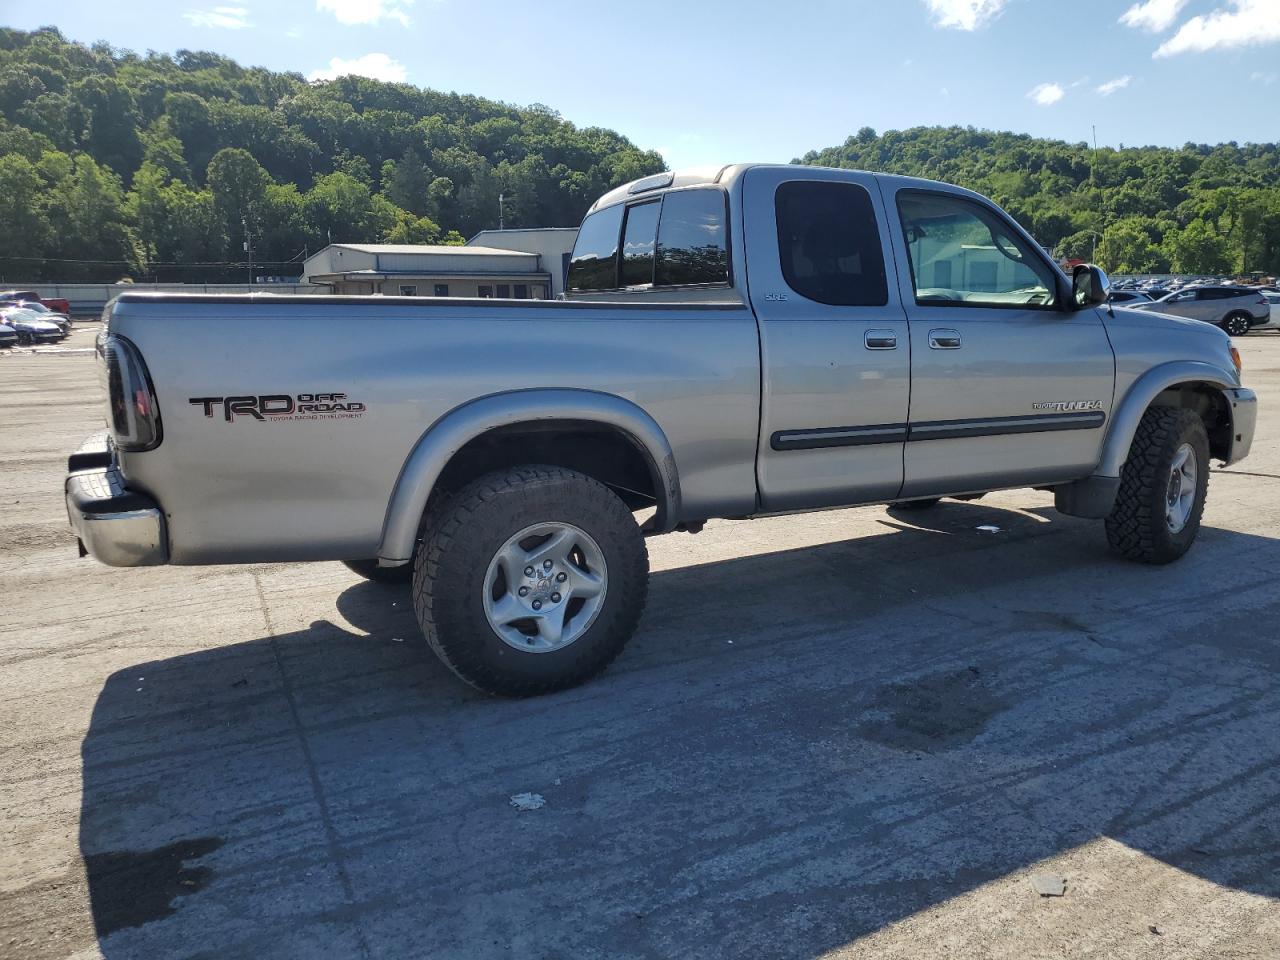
(528,801)
(397,639)
(1156,930)
(1049,884)
(242,682)
(987,528)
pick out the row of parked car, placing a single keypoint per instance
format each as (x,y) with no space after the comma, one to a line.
(27,319)
(1236,309)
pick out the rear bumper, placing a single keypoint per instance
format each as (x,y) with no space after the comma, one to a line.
(1244,418)
(115,525)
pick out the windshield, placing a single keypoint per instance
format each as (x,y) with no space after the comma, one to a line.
(20,313)
(36,307)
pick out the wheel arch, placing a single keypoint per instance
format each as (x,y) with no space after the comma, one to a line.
(539,410)
(1192,384)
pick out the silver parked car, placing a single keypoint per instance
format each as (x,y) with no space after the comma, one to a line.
(1235,309)
(8,335)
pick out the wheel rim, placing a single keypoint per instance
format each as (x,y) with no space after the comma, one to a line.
(1237,326)
(1180,496)
(545,587)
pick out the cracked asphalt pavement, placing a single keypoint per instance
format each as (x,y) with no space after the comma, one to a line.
(850,734)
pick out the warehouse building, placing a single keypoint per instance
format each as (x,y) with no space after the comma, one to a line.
(522,264)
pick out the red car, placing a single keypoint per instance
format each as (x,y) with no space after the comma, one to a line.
(56,304)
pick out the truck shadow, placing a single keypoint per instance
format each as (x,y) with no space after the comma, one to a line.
(799,748)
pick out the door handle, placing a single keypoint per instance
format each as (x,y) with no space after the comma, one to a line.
(880,340)
(944,339)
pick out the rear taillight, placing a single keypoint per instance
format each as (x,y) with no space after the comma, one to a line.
(132,412)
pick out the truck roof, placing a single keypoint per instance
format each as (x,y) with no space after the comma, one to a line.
(700,176)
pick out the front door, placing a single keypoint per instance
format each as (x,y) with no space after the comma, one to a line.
(833,339)
(1008,388)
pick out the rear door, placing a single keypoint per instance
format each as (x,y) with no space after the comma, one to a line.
(1007,388)
(835,358)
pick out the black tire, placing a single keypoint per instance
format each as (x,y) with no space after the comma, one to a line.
(1136,528)
(1237,324)
(370,570)
(924,504)
(465,534)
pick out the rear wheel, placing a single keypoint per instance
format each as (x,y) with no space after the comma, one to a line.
(531,580)
(1163,487)
(1237,324)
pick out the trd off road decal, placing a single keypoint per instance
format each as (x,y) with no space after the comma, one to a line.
(282,407)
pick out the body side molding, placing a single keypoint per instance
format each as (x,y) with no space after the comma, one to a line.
(455,429)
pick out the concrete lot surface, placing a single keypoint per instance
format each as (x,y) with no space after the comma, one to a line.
(851,734)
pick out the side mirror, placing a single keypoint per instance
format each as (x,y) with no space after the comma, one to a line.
(1089,286)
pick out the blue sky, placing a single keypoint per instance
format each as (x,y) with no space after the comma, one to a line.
(727,81)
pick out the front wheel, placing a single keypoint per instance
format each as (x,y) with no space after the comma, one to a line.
(1236,325)
(1163,486)
(531,580)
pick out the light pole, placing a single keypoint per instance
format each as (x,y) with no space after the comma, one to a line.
(248,248)
(501,221)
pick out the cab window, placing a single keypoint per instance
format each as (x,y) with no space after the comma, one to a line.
(829,243)
(637,244)
(963,254)
(594,265)
(692,248)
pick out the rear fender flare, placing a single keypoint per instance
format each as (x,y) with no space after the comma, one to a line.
(444,438)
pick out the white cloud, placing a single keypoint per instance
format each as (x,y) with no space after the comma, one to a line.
(964,14)
(1248,23)
(371,12)
(1153,15)
(1265,78)
(228,18)
(376,66)
(1111,86)
(1047,94)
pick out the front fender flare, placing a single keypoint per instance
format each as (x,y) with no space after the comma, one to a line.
(444,438)
(1128,413)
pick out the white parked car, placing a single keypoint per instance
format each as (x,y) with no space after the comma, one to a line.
(8,335)
(1274,300)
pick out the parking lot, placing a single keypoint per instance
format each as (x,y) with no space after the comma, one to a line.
(857,733)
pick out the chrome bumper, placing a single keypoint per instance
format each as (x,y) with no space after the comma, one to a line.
(1244,418)
(115,525)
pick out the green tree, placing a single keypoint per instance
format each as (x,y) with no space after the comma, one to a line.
(239,187)
(1198,248)
(26,232)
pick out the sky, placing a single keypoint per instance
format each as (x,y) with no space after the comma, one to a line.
(723,82)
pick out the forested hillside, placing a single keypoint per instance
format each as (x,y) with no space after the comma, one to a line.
(115,164)
(1198,209)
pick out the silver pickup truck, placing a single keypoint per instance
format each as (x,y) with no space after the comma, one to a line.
(737,342)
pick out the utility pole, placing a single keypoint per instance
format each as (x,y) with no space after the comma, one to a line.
(501,221)
(248,249)
(1093,175)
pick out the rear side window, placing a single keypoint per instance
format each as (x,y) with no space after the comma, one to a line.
(595,254)
(637,244)
(692,247)
(829,243)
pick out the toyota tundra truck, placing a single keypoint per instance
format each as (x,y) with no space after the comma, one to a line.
(735,343)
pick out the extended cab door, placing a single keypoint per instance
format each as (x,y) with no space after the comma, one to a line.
(1008,388)
(835,361)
